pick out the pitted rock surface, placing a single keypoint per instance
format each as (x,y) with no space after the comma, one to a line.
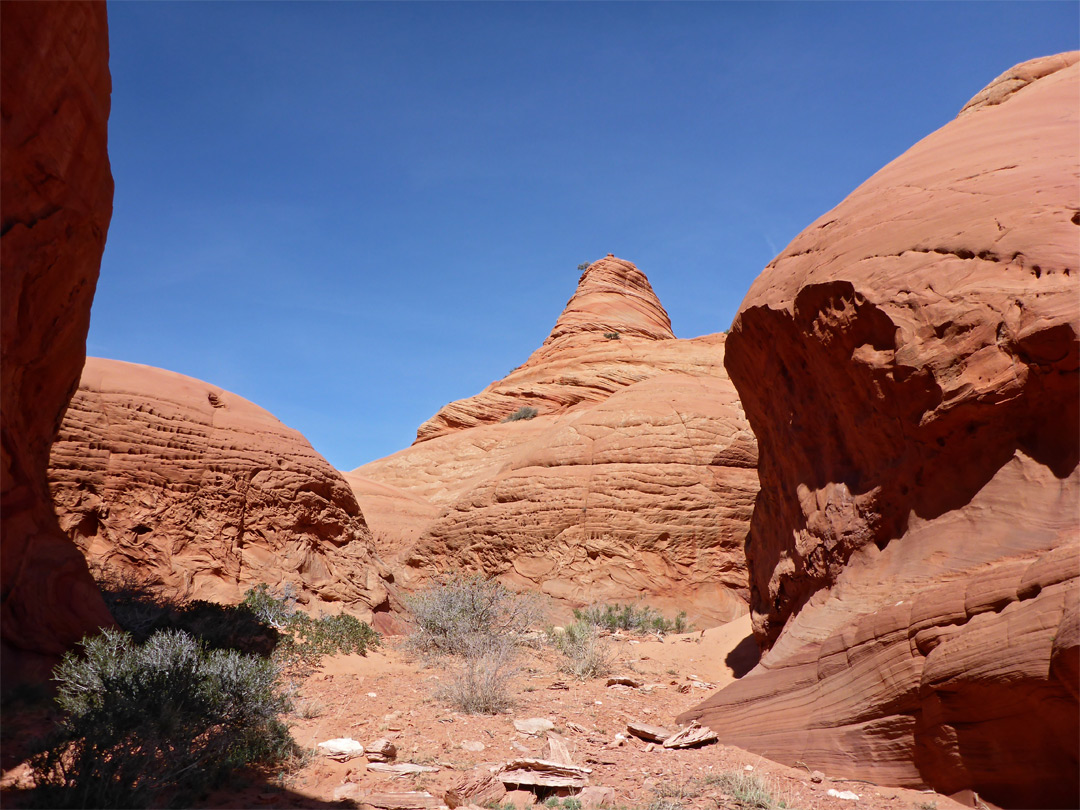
(203,494)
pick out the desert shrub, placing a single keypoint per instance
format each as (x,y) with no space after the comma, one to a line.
(587,655)
(524,412)
(304,640)
(480,683)
(463,613)
(157,723)
(141,612)
(632,618)
(307,640)
(611,335)
(746,791)
(583,267)
(274,609)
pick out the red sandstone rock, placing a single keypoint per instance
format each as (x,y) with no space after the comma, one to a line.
(203,494)
(909,365)
(57,202)
(578,362)
(636,479)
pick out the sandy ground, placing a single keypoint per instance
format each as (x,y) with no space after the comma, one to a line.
(391,693)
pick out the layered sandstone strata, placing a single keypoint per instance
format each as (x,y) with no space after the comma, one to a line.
(909,365)
(199,493)
(57,203)
(634,480)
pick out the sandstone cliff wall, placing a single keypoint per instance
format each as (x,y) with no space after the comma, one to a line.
(56,205)
(909,365)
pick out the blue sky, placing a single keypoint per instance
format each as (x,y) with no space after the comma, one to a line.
(353,213)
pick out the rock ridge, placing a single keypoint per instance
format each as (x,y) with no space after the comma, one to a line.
(634,480)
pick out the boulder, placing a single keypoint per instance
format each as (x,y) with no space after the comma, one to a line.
(909,365)
(199,493)
(57,194)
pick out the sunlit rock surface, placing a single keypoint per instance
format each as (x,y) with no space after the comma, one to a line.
(909,365)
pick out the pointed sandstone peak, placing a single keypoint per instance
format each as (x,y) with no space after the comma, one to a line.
(613,296)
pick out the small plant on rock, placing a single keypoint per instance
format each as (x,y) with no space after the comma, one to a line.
(524,412)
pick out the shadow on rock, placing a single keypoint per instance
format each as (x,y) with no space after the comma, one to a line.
(744,657)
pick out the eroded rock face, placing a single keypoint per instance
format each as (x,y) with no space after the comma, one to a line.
(57,203)
(636,478)
(202,494)
(909,365)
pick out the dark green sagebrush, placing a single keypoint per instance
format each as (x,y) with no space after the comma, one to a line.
(157,724)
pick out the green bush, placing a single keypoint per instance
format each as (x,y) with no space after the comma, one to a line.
(465,613)
(632,618)
(271,608)
(307,640)
(611,335)
(304,640)
(157,723)
(524,412)
(587,655)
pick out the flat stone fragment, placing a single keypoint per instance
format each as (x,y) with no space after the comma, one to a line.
(595,797)
(381,750)
(534,725)
(341,748)
(555,750)
(847,795)
(412,800)
(481,789)
(542,773)
(647,732)
(690,736)
(400,768)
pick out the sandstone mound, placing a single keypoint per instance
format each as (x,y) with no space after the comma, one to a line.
(909,365)
(203,494)
(57,203)
(635,479)
(612,333)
